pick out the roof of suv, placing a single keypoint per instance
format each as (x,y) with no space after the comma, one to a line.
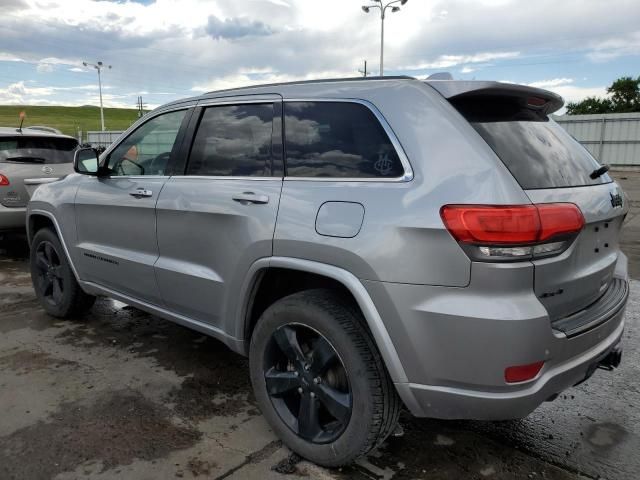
(28,132)
(447,88)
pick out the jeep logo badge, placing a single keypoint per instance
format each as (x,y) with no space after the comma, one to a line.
(47,170)
(616,199)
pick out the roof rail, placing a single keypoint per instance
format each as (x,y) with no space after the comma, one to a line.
(42,128)
(325,80)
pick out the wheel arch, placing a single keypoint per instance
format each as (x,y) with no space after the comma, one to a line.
(332,274)
(37,219)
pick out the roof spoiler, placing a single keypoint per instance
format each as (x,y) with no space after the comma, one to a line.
(542,101)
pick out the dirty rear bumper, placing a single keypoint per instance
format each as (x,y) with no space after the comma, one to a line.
(455,344)
(456,403)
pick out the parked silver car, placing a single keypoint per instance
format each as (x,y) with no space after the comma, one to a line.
(369,244)
(29,157)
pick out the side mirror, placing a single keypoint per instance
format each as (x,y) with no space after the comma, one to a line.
(86,161)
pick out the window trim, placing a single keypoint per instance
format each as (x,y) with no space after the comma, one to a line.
(199,112)
(106,155)
(407,176)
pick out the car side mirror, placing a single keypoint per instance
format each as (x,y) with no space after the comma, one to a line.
(86,161)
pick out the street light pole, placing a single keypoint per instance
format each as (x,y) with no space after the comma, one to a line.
(383,14)
(382,41)
(99,66)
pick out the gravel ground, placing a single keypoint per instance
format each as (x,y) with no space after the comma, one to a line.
(121,394)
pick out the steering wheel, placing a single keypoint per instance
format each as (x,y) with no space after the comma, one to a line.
(159,163)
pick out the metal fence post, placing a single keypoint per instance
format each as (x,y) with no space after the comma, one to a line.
(601,148)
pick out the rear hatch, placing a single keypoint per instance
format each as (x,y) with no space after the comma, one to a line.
(552,167)
(32,157)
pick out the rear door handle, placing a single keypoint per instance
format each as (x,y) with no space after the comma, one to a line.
(246,198)
(141,192)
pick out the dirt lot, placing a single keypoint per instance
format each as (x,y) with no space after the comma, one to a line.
(121,394)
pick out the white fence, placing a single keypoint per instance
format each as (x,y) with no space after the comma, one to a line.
(102,139)
(613,138)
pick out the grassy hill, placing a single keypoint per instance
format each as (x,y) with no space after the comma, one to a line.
(68,119)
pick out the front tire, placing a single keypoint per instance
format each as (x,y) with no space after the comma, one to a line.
(53,280)
(319,378)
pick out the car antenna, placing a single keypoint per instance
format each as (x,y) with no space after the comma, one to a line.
(22,115)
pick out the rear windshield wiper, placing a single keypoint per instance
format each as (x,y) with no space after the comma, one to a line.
(598,172)
(26,159)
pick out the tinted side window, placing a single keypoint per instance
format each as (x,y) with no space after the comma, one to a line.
(337,139)
(233,141)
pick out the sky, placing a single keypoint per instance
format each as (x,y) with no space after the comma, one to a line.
(169,49)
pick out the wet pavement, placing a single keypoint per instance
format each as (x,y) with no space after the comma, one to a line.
(121,394)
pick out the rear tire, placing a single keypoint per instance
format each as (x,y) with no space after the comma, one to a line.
(53,280)
(329,331)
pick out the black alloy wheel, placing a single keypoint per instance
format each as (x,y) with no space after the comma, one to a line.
(49,278)
(307,383)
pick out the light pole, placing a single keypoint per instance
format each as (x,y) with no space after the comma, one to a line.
(383,11)
(99,66)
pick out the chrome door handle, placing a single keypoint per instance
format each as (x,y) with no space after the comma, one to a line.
(141,192)
(246,198)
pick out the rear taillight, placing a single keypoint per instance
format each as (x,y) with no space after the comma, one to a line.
(513,232)
(4,181)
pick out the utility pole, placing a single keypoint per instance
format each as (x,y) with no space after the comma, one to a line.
(99,66)
(383,14)
(364,72)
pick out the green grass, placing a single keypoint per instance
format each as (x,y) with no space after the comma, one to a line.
(68,119)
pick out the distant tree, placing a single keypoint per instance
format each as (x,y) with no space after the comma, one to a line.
(624,97)
(590,105)
(625,94)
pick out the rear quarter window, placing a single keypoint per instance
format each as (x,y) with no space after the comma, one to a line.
(337,140)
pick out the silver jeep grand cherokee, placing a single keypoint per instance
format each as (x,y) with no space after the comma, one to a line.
(370,244)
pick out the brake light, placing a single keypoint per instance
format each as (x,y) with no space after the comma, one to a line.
(522,373)
(513,231)
(4,181)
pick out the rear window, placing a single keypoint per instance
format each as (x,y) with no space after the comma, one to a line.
(538,152)
(41,150)
(339,140)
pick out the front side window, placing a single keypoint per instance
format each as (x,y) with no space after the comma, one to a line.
(233,140)
(148,149)
(337,139)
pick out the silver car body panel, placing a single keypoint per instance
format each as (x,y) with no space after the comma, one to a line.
(446,326)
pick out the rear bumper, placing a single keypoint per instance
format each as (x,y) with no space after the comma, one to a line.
(455,343)
(12,219)
(456,403)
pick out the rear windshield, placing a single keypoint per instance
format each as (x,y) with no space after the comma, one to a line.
(41,150)
(538,152)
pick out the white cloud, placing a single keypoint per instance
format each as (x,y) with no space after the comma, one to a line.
(572,93)
(551,83)
(448,61)
(7,57)
(44,68)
